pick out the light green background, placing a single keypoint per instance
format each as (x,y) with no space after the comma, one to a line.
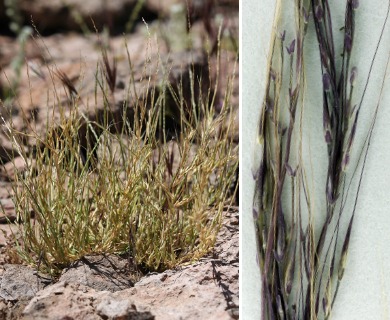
(365,289)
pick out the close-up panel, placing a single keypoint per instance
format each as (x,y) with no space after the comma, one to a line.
(314,158)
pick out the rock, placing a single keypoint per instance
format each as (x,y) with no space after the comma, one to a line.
(76,301)
(7,211)
(205,290)
(7,150)
(9,49)
(162,8)
(6,190)
(12,310)
(3,309)
(52,15)
(108,272)
(227,244)
(109,306)
(62,301)
(77,59)
(16,166)
(19,282)
(6,234)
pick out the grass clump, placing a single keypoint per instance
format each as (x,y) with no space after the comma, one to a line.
(124,185)
(302,265)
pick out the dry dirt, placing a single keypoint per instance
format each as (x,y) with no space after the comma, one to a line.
(102,287)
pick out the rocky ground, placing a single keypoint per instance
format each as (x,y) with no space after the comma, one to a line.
(102,287)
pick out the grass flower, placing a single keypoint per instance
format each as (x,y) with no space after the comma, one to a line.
(301,267)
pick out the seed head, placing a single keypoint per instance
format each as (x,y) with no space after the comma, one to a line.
(291,47)
(319,13)
(353,76)
(326,81)
(355,4)
(282,35)
(306,16)
(348,42)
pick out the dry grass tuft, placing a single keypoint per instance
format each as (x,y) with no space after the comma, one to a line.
(130,191)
